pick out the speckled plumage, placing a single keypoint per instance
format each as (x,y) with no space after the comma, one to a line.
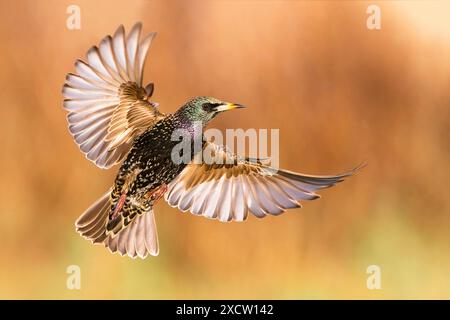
(147,168)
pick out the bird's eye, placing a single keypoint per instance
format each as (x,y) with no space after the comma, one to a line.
(209,107)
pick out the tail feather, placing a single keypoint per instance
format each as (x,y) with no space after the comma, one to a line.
(150,235)
(138,239)
(91,213)
(91,224)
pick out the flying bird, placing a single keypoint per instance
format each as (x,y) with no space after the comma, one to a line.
(113,120)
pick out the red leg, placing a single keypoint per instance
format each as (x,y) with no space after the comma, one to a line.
(158,193)
(119,206)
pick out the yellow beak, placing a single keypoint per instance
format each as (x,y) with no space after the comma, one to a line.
(228,106)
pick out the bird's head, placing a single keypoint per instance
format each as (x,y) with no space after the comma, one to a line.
(204,109)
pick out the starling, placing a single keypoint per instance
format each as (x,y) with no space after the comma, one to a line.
(113,120)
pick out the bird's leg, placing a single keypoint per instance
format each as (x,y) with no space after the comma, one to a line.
(156,193)
(118,206)
(124,190)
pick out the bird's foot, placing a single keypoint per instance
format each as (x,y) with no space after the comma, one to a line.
(156,194)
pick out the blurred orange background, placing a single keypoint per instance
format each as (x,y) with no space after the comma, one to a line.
(339,93)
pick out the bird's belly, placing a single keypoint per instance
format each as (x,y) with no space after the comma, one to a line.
(148,168)
(156,172)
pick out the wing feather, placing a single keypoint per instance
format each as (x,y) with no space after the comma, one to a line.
(230,189)
(106,103)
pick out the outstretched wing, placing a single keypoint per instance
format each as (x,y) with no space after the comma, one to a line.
(230,187)
(107,105)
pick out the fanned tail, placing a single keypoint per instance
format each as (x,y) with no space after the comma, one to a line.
(138,239)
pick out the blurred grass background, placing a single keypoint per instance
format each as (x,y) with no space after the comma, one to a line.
(339,93)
